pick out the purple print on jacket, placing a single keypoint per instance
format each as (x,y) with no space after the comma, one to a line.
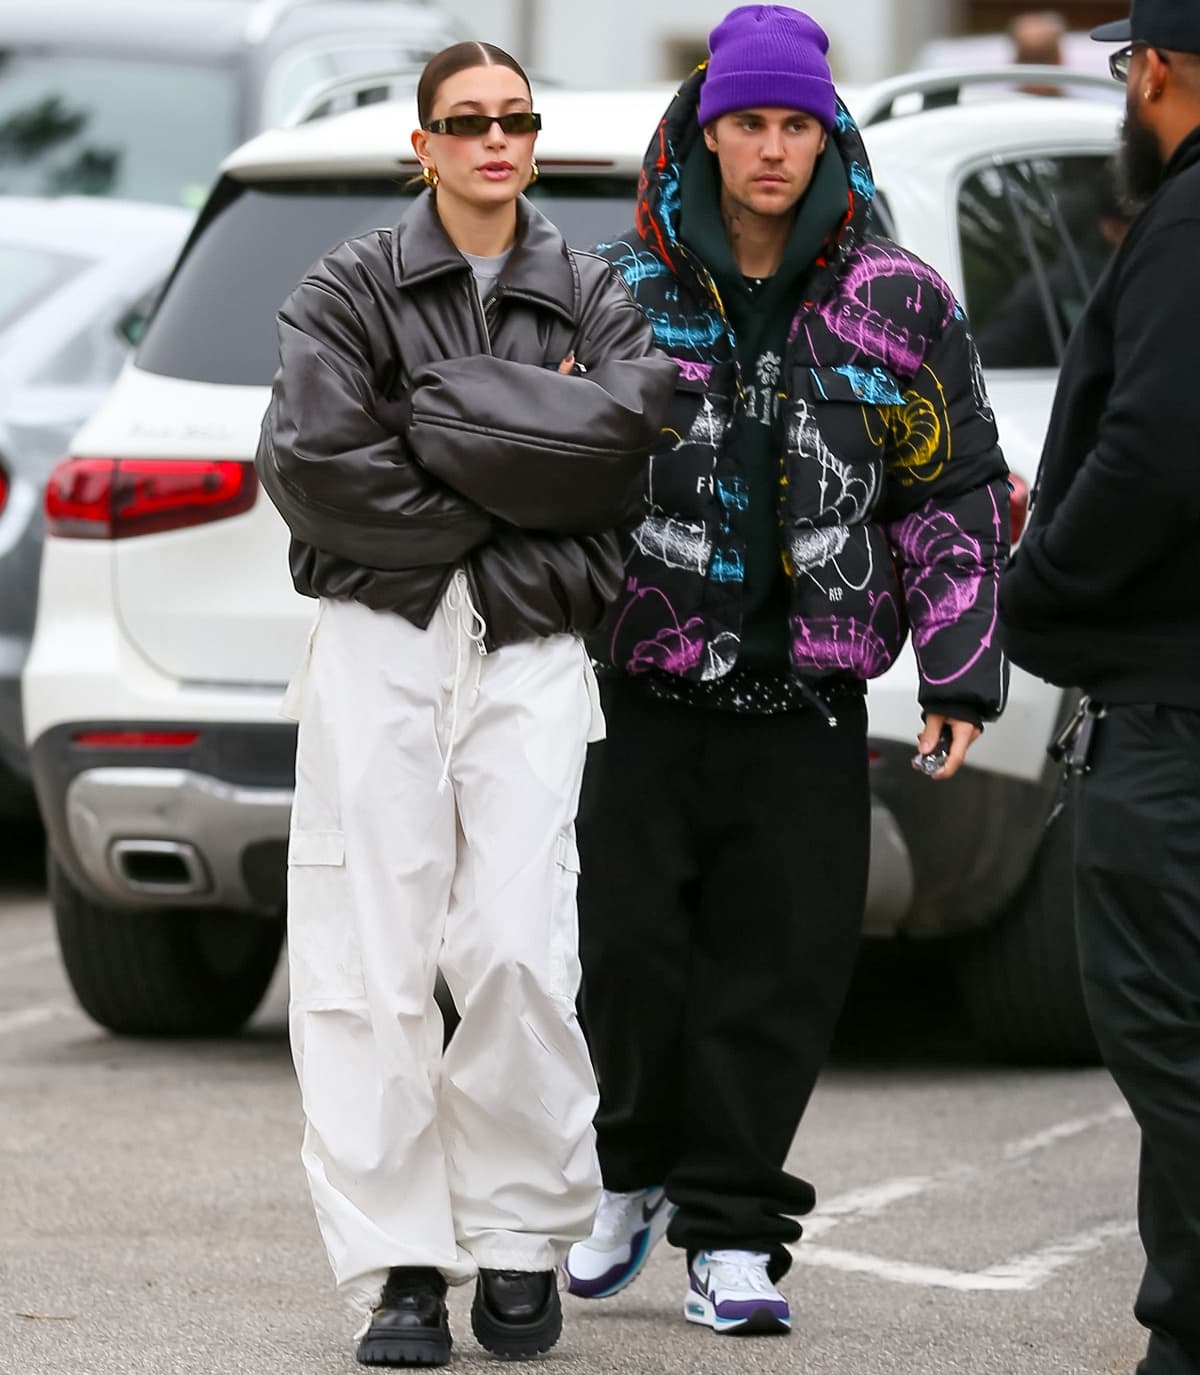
(690,371)
(850,317)
(946,573)
(843,644)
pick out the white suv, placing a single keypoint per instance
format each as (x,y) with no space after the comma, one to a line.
(168,626)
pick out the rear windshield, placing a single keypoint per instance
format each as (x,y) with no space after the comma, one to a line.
(28,275)
(140,128)
(216,321)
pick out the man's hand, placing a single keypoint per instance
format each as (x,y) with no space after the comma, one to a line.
(567,364)
(963,736)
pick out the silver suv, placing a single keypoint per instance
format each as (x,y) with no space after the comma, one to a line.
(141,99)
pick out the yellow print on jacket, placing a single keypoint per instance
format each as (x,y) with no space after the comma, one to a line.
(917,434)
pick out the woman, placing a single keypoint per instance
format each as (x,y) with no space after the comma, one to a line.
(457,429)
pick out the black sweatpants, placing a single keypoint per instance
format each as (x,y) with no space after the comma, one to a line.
(724,872)
(1138,911)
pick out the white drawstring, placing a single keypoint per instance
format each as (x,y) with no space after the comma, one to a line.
(467,626)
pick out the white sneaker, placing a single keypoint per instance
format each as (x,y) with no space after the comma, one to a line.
(731,1292)
(627,1228)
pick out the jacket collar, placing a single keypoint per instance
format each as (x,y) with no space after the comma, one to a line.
(539,268)
(1185,155)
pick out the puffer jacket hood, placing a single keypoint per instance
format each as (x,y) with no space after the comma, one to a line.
(659,190)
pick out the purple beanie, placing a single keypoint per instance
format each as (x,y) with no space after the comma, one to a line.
(768,55)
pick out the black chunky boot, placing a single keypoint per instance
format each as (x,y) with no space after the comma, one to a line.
(516,1313)
(411,1326)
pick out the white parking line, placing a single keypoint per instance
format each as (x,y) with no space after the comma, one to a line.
(33,1016)
(869,1201)
(31,954)
(875,1198)
(1015,1276)
(1028,1272)
(1062,1131)
(1021,1273)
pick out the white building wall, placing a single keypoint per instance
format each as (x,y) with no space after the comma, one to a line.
(629,42)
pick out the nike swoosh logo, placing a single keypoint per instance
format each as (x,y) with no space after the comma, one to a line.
(648,1213)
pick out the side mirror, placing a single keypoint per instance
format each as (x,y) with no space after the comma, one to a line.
(132,326)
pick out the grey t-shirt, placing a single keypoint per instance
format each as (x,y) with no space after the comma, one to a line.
(487,271)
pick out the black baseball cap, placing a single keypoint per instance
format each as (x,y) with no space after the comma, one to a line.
(1170,24)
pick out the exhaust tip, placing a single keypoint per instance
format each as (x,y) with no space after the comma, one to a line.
(164,868)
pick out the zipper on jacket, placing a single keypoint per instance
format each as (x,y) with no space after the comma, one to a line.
(473,593)
(480,316)
(705,278)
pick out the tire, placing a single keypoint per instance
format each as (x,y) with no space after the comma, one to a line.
(1019,980)
(163,972)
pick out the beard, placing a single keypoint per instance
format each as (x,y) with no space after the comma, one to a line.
(1140,163)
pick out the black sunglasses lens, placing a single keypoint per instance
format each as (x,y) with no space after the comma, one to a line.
(467,126)
(520,122)
(1118,64)
(474,126)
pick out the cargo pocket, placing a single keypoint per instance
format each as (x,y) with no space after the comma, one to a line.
(324,958)
(564,934)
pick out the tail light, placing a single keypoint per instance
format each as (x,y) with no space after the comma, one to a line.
(3,490)
(1018,505)
(114,498)
(135,739)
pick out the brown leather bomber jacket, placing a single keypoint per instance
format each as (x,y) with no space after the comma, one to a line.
(405,439)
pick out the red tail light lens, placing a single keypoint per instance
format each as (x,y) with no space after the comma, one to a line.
(135,739)
(114,498)
(1018,505)
(3,489)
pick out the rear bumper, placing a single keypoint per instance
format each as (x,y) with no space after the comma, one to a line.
(204,826)
(207,827)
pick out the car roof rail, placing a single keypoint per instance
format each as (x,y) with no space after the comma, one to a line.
(927,90)
(341,93)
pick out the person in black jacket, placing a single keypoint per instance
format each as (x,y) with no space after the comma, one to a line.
(829,478)
(1102,595)
(457,430)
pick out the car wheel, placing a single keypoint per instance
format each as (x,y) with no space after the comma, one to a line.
(1019,979)
(163,972)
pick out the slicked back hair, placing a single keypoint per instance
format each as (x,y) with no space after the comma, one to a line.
(458,58)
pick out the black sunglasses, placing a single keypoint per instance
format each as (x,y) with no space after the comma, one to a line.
(472,126)
(1118,63)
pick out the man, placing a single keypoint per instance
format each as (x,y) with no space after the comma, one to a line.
(830,475)
(1037,37)
(1102,595)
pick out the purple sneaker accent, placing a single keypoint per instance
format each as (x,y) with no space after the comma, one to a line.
(731,1292)
(616,1276)
(628,1227)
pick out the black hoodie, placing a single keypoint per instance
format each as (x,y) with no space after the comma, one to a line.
(1103,592)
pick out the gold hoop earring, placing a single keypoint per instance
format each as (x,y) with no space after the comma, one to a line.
(534,172)
(429,175)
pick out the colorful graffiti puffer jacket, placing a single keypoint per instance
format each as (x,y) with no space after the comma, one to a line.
(893,501)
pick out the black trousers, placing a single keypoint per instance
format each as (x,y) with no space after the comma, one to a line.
(724,871)
(1138,911)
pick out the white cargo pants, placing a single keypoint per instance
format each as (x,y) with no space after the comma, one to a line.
(433,825)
